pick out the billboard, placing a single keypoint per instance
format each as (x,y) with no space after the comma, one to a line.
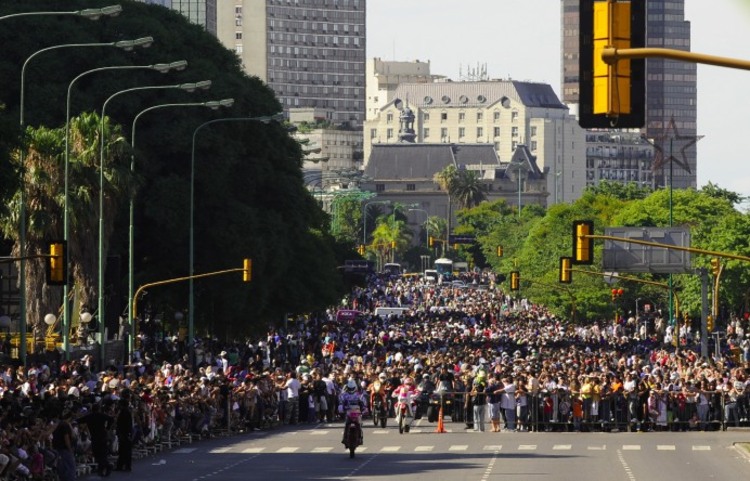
(621,256)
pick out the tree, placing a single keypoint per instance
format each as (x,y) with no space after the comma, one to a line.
(467,189)
(446,181)
(713,190)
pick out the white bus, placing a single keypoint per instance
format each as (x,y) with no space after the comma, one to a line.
(444,267)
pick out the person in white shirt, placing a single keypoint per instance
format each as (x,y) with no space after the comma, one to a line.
(291,387)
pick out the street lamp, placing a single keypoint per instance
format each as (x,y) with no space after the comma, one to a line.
(83,327)
(90,13)
(124,44)
(426,225)
(364,217)
(519,167)
(144,42)
(266,119)
(163,68)
(214,104)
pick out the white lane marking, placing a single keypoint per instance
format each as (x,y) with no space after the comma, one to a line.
(493,447)
(625,466)
(381,431)
(253,450)
(701,448)
(288,449)
(322,450)
(389,449)
(318,433)
(423,449)
(220,450)
(603,447)
(666,447)
(562,447)
(631,447)
(459,447)
(527,447)
(184,450)
(491,465)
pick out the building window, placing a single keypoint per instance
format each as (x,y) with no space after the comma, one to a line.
(238,35)
(496,131)
(425,133)
(461,132)
(379,187)
(480,116)
(515,145)
(389,134)
(496,116)
(514,131)
(426,117)
(373,133)
(461,116)
(443,116)
(443,133)
(389,118)
(480,132)
(411,187)
(533,145)
(533,131)
(514,115)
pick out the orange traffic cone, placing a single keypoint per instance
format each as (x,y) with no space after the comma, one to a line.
(440,426)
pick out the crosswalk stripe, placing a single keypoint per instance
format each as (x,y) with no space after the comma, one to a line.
(665,447)
(381,431)
(527,447)
(701,448)
(423,449)
(562,447)
(493,447)
(389,449)
(252,450)
(288,449)
(459,447)
(184,450)
(603,447)
(319,433)
(631,447)
(322,450)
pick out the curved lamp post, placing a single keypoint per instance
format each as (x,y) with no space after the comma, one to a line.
(90,13)
(123,44)
(144,42)
(213,104)
(178,65)
(191,299)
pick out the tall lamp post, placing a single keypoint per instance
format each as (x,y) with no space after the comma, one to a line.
(178,65)
(126,44)
(144,42)
(191,296)
(364,217)
(90,13)
(214,104)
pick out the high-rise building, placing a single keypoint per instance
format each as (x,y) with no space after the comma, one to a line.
(310,52)
(671,89)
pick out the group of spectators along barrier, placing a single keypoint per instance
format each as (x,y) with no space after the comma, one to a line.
(502,362)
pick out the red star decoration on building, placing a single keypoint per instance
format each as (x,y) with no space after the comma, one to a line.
(681,142)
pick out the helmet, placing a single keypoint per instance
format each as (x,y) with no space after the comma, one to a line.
(426,376)
(351,386)
(408,380)
(382,376)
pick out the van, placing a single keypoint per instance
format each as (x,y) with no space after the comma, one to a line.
(431,275)
(387,311)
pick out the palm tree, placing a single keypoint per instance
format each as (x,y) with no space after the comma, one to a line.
(468,189)
(44,177)
(446,180)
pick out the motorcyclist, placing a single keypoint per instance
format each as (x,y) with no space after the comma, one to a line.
(407,394)
(350,397)
(378,391)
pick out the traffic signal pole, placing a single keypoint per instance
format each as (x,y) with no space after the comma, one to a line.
(612,55)
(704,311)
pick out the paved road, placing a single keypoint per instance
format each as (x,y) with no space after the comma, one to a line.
(314,452)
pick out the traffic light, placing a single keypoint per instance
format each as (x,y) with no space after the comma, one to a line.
(710,323)
(431,241)
(514,280)
(247,270)
(566,276)
(611,95)
(617,293)
(57,264)
(361,249)
(393,244)
(499,251)
(715,266)
(583,247)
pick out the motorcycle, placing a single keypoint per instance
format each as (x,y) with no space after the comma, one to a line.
(437,400)
(380,412)
(403,417)
(353,430)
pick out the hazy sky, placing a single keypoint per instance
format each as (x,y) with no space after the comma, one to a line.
(520,39)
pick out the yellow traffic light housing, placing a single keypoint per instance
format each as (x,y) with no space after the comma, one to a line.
(361,249)
(247,270)
(514,280)
(611,95)
(715,266)
(710,323)
(583,245)
(431,241)
(566,276)
(57,264)
(499,251)
(393,244)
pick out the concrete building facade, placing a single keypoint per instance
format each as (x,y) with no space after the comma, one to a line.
(384,77)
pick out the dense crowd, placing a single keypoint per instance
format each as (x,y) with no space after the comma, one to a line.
(504,362)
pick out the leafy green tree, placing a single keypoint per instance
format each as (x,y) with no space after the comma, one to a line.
(620,190)
(713,190)
(467,189)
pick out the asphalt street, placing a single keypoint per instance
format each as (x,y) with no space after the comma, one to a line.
(314,452)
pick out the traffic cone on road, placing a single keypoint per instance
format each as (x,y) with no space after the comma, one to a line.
(440,426)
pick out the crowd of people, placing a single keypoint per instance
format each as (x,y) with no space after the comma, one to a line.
(507,364)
